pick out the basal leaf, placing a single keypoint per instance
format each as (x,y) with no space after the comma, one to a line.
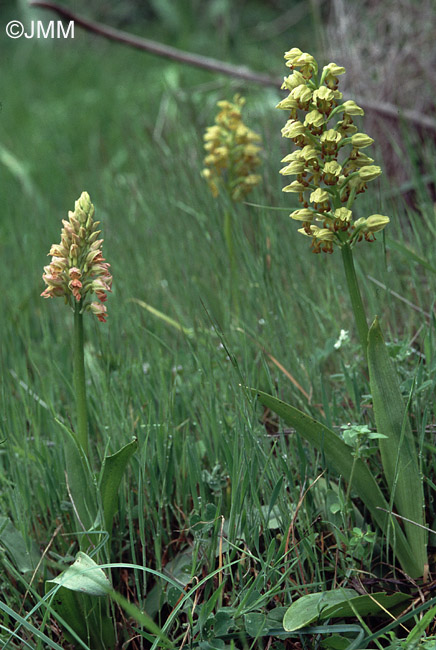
(114,467)
(84,576)
(340,458)
(398,450)
(337,603)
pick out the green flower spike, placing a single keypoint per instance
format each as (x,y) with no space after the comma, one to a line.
(329,165)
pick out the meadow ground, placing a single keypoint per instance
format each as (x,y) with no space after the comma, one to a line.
(217,478)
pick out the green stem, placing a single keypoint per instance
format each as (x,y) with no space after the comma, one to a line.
(228,234)
(79,380)
(355,296)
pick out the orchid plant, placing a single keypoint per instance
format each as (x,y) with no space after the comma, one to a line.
(78,273)
(232,156)
(331,170)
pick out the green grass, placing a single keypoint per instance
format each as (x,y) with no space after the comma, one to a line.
(128,129)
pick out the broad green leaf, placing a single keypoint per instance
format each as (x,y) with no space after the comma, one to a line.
(255,624)
(80,481)
(338,603)
(113,470)
(336,642)
(85,576)
(366,604)
(398,451)
(24,556)
(85,615)
(65,604)
(308,609)
(339,456)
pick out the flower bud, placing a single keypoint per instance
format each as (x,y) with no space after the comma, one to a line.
(302,215)
(376,222)
(295,167)
(351,108)
(295,186)
(361,140)
(369,173)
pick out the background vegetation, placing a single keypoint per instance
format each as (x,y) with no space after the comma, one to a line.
(216,478)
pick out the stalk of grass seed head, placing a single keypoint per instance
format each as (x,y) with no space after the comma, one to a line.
(232,157)
(77,271)
(330,167)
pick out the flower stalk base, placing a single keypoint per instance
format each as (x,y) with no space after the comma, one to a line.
(79,380)
(355,296)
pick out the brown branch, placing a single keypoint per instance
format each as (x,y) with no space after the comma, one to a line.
(213,65)
(153,47)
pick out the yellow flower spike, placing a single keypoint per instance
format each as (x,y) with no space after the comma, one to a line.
(321,126)
(232,152)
